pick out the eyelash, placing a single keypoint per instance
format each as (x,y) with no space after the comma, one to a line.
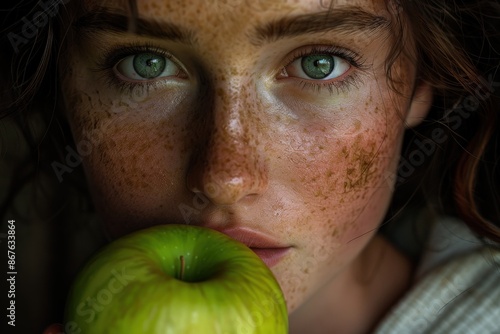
(335,86)
(111,57)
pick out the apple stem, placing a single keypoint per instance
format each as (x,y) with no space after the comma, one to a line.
(181,274)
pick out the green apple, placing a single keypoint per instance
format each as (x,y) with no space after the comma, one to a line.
(176,279)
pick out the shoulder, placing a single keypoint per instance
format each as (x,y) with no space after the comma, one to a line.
(458,292)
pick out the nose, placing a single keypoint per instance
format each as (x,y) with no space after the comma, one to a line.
(229,164)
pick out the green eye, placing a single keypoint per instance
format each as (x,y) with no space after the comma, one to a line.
(318,66)
(149,65)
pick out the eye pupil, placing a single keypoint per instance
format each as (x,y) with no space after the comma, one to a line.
(318,66)
(149,65)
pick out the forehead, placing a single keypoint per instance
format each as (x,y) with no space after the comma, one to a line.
(235,10)
(226,21)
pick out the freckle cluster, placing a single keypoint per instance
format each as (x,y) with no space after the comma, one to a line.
(315,162)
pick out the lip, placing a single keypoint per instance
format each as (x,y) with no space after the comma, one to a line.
(267,248)
(271,256)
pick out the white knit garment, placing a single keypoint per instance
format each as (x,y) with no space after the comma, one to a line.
(457,289)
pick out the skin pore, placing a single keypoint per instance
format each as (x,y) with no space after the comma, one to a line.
(234,130)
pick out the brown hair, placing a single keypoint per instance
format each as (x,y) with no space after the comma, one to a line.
(457,44)
(30,42)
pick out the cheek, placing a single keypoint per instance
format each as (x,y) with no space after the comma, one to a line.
(341,192)
(133,153)
(345,196)
(343,175)
(130,156)
(131,173)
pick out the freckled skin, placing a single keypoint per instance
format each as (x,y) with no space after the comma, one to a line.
(307,167)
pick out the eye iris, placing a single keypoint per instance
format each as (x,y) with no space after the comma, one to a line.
(318,66)
(149,65)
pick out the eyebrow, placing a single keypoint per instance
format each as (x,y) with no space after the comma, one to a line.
(109,20)
(346,20)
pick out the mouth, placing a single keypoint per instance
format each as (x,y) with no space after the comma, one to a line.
(268,249)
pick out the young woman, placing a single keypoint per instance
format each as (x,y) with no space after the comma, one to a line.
(296,127)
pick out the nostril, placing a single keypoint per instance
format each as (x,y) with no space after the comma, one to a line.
(226,191)
(229,164)
(223,187)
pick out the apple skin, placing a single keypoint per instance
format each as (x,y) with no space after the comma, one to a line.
(133,286)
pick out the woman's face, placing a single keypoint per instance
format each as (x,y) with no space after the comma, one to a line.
(269,120)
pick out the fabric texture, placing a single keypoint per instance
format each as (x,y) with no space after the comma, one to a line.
(456,289)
